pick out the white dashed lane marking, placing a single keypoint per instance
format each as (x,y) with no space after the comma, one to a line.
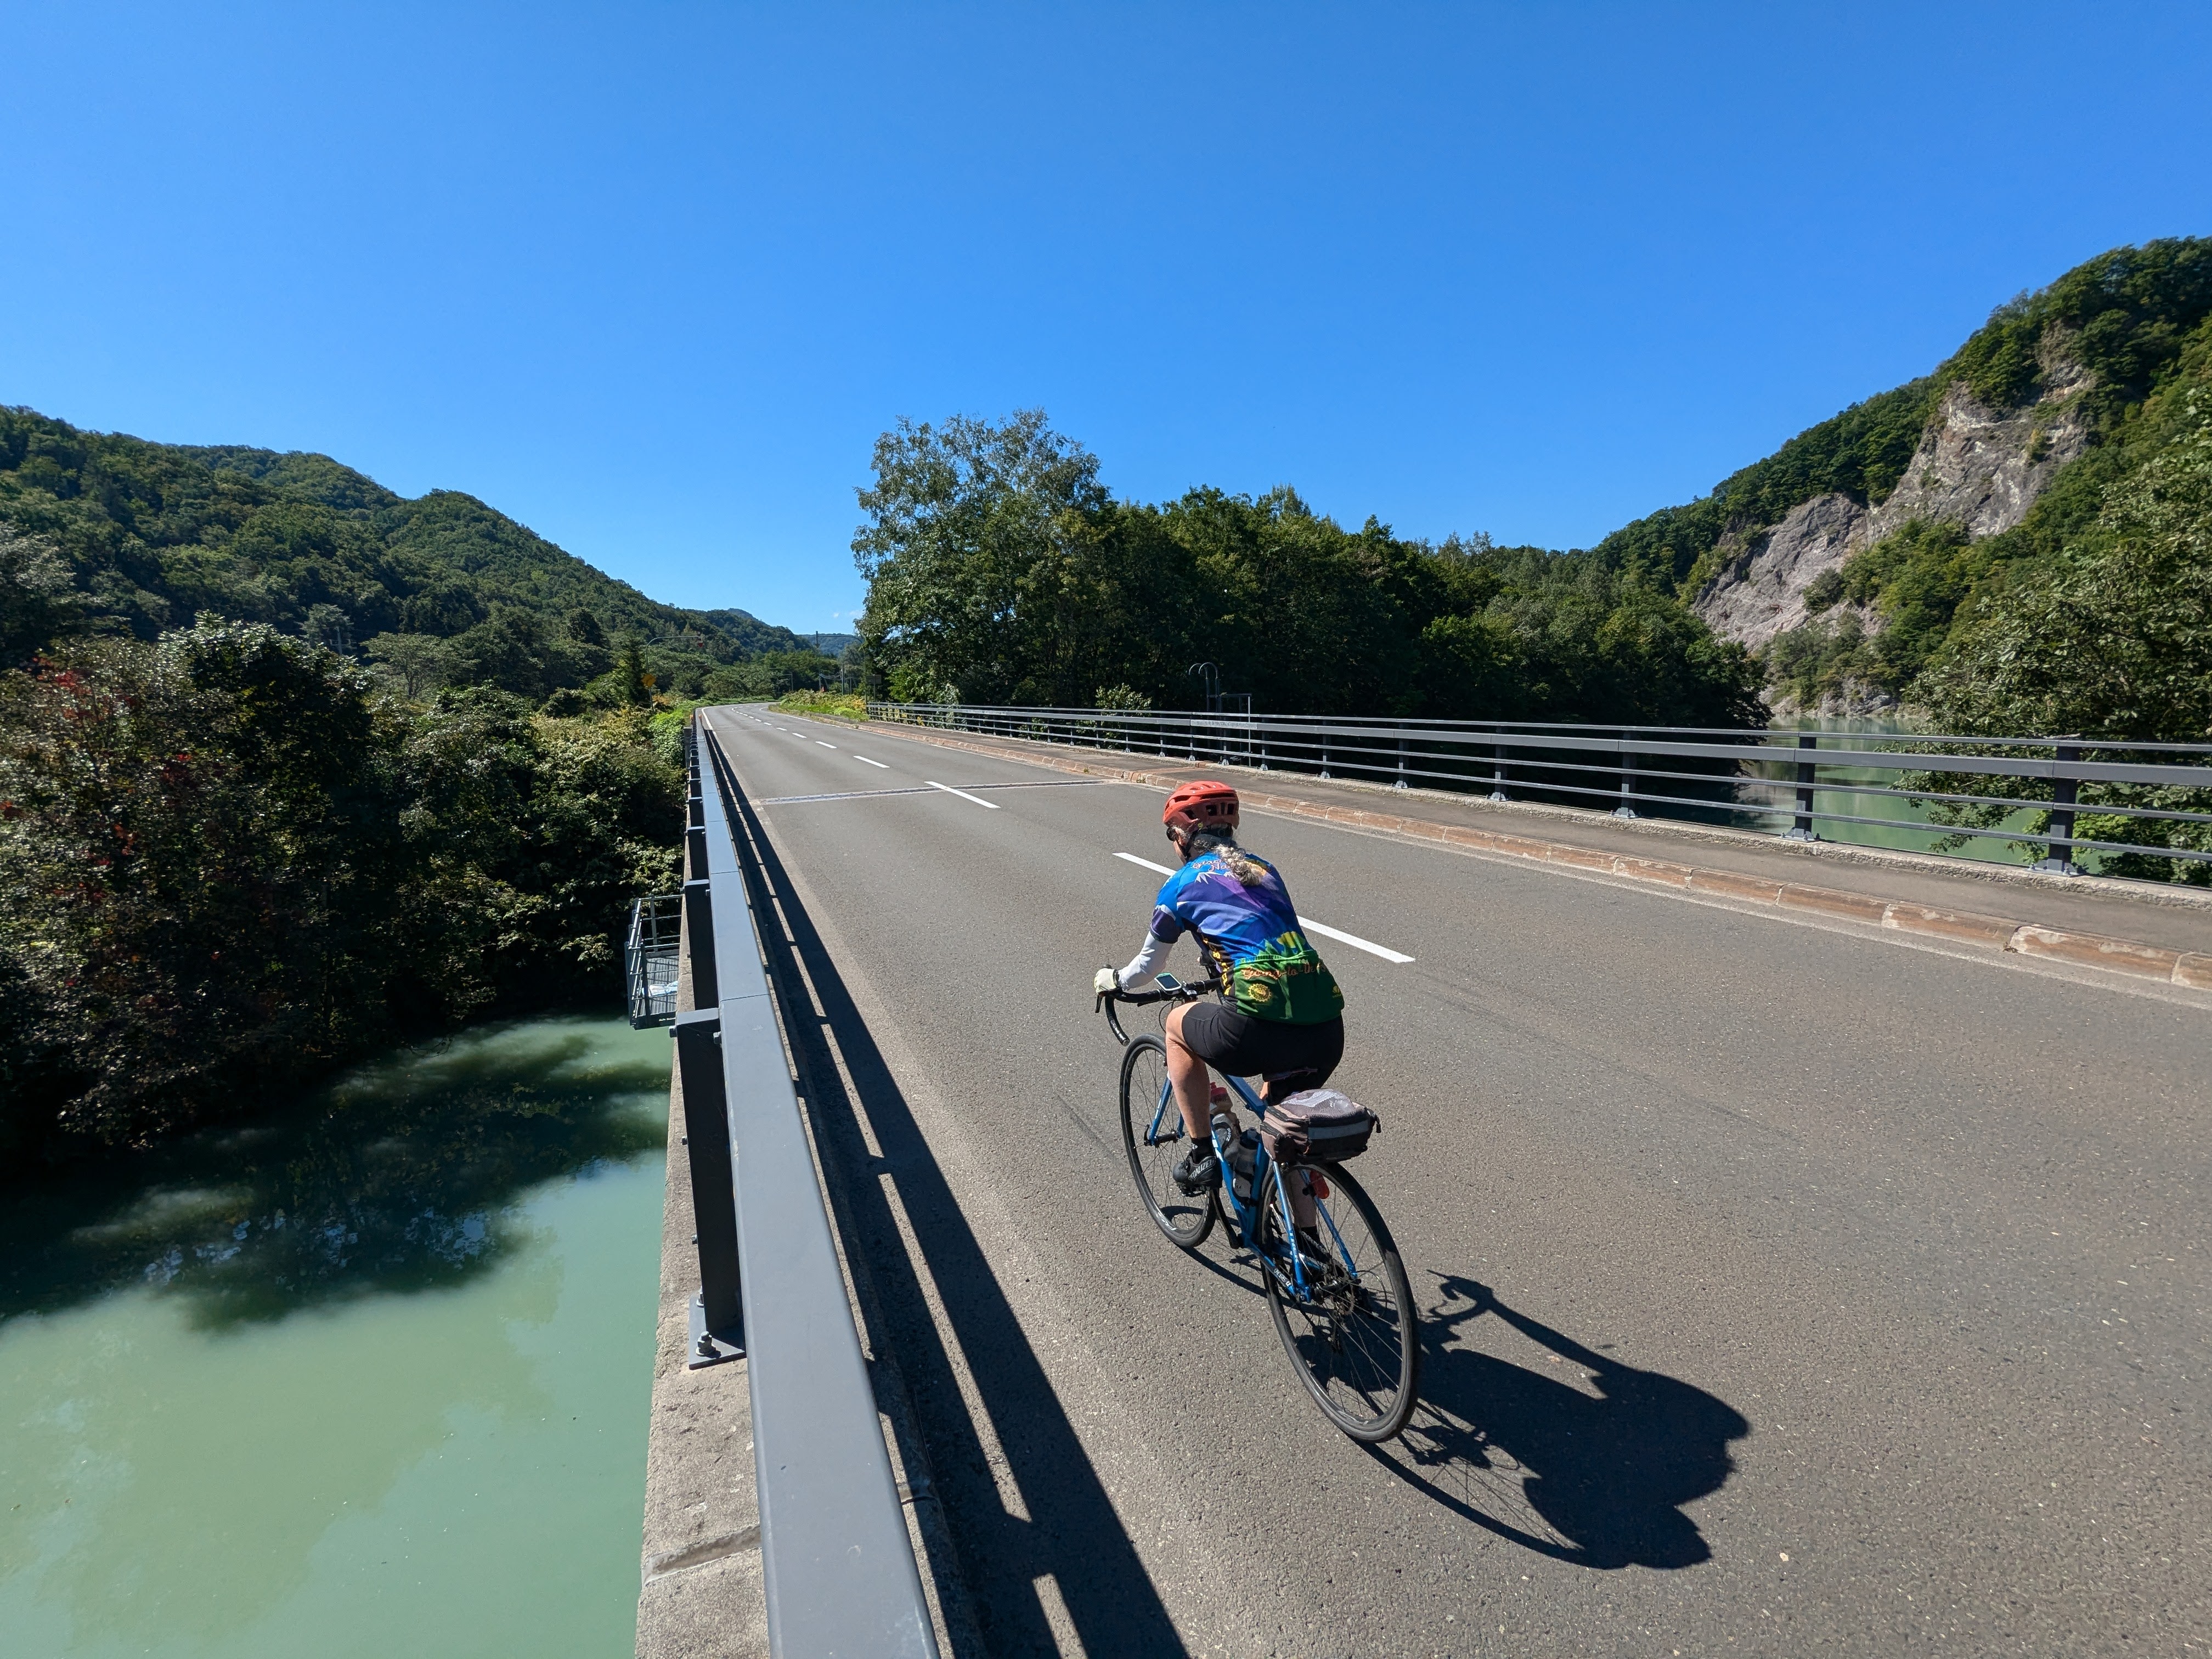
(962,794)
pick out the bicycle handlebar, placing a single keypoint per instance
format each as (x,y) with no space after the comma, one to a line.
(1106,999)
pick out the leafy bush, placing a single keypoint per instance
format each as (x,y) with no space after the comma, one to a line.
(846,705)
(230,859)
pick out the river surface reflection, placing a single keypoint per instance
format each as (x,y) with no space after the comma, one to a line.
(368,1377)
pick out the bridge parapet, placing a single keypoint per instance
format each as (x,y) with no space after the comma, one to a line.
(2024,790)
(837,1567)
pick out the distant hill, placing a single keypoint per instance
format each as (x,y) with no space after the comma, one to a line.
(759,636)
(152,535)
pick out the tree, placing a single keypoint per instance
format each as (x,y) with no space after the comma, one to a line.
(228,861)
(38,596)
(423,662)
(197,865)
(1001,572)
(972,553)
(633,681)
(330,628)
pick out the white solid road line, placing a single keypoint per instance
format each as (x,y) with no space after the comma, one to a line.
(866,761)
(1306,922)
(962,794)
(825,744)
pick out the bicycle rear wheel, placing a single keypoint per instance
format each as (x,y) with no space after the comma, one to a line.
(1353,1333)
(1154,1153)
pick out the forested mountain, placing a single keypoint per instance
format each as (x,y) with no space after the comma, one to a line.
(105,533)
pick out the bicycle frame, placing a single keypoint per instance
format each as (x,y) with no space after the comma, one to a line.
(1167,1112)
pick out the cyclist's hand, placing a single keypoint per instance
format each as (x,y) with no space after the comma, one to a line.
(1106,982)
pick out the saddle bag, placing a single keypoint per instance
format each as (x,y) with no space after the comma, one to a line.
(1317,1126)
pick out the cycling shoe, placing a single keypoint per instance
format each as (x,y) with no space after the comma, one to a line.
(1200,1172)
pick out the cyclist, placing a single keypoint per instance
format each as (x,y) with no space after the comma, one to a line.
(1284,1018)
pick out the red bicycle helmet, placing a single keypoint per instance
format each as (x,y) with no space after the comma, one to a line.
(1205,803)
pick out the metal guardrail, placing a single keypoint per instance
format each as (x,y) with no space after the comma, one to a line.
(1643,767)
(837,1563)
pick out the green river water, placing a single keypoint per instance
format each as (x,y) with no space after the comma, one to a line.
(370,1377)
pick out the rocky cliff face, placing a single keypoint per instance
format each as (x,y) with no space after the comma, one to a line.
(1975,466)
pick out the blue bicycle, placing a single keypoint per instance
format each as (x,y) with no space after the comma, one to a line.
(1335,1284)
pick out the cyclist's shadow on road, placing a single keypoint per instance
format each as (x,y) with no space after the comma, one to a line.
(1597,1479)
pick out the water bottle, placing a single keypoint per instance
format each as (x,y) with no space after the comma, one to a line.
(1244,1161)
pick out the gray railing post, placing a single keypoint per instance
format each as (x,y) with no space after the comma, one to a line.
(1803,830)
(1498,772)
(1400,782)
(1627,807)
(717,1313)
(699,925)
(1324,752)
(2064,794)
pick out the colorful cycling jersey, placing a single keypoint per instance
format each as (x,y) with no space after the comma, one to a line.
(1250,936)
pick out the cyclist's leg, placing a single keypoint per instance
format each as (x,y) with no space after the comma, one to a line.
(1194,1086)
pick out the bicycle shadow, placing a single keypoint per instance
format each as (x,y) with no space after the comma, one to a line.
(1598,1480)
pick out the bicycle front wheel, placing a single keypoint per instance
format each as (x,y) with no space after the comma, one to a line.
(1348,1323)
(1153,1133)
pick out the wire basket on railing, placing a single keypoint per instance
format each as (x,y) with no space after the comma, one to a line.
(650,959)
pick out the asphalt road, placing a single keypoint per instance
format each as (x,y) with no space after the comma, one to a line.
(1789,1289)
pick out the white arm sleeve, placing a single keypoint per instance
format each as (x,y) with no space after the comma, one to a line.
(1147,962)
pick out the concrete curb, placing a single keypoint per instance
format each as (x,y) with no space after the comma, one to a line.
(2187,969)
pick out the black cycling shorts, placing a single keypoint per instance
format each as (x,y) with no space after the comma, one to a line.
(1237,1045)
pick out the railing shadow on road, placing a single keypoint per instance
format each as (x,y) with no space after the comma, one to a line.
(1597,1481)
(1072,1534)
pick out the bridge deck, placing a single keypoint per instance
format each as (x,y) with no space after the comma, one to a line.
(1791,1287)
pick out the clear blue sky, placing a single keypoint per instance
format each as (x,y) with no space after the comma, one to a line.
(652,277)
